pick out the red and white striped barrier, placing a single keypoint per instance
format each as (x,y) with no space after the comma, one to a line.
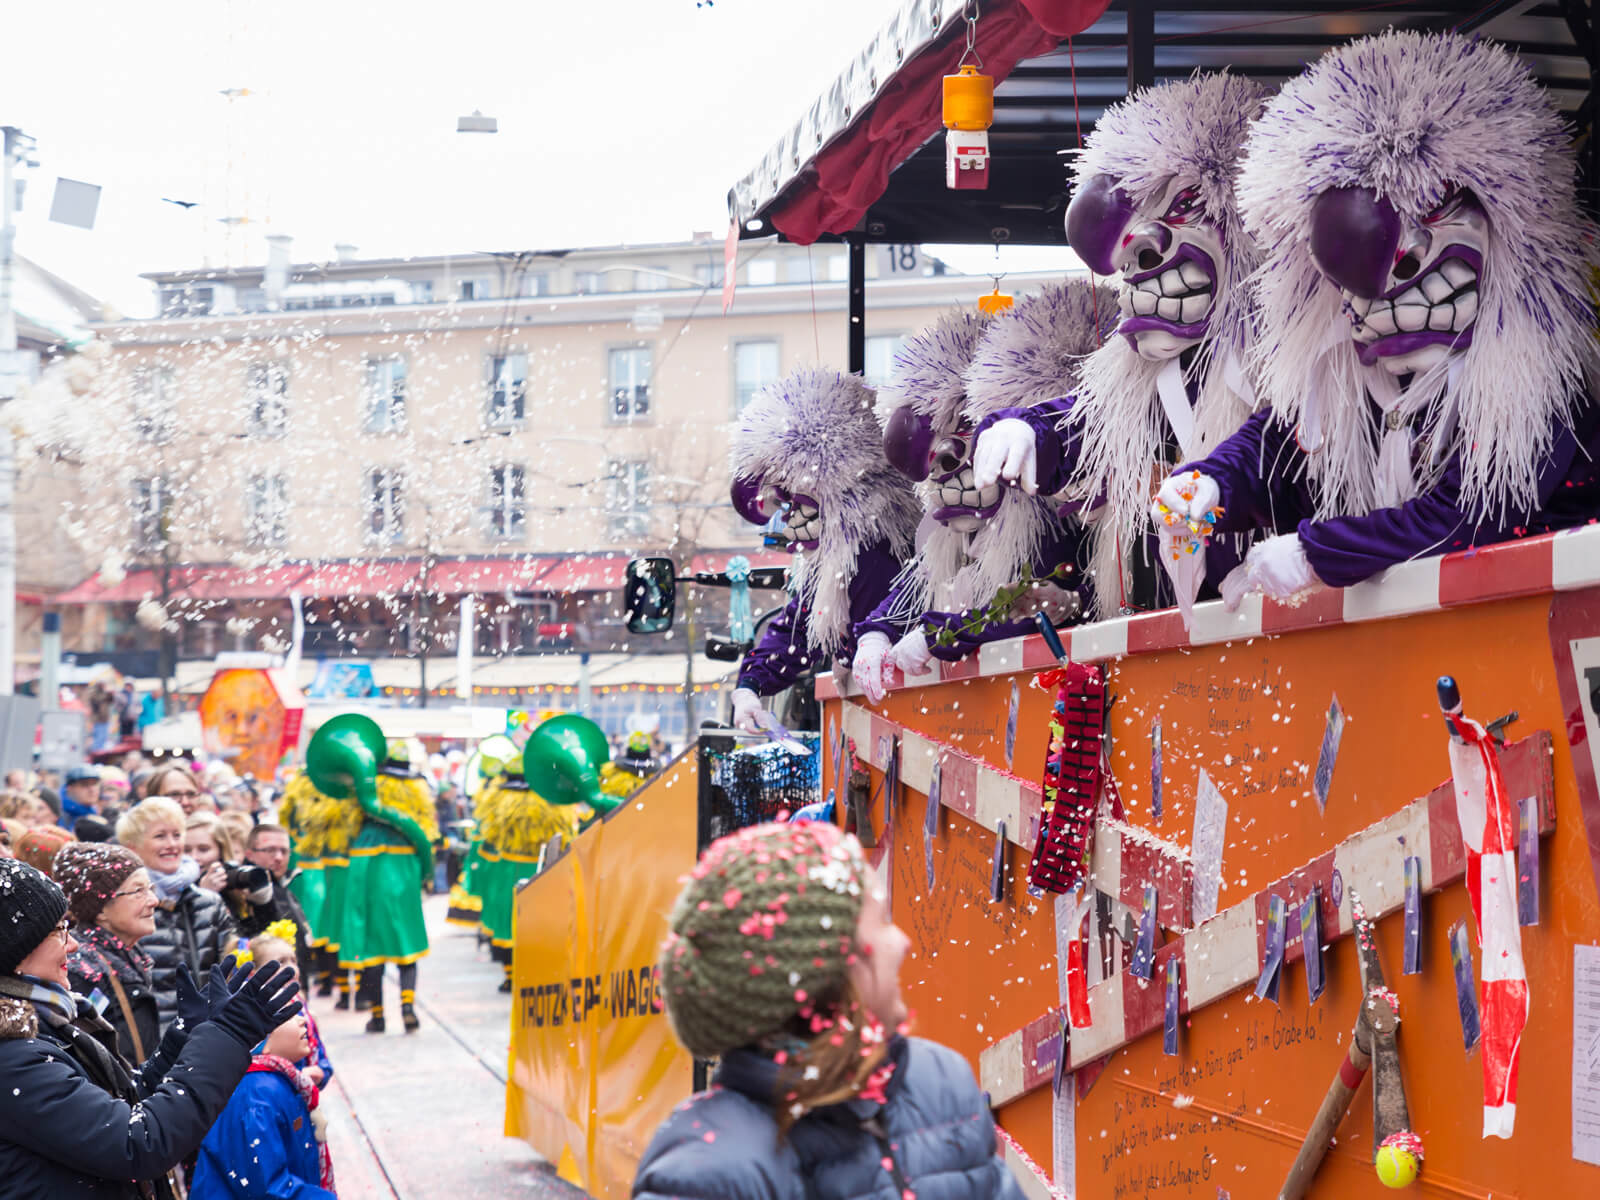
(1532,566)
(1225,953)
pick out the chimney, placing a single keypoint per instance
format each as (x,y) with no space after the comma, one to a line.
(344,252)
(276,276)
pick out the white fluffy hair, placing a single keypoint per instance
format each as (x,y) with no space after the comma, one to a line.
(814,432)
(1194,128)
(930,368)
(1411,116)
(1028,354)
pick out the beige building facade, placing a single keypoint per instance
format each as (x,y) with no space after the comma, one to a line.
(386,436)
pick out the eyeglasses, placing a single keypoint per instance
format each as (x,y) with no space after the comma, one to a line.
(141,890)
(185,794)
(64,932)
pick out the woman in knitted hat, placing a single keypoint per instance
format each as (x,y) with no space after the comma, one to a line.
(783,963)
(75,1119)
(112,905)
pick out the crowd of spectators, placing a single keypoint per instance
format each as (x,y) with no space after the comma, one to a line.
(151,1034)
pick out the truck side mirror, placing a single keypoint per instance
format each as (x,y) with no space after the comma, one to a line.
(650,595)
(720,649)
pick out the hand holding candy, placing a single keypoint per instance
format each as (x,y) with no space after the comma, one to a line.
(1185,512)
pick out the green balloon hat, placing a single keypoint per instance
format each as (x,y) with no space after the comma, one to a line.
(562,762)
(344,754)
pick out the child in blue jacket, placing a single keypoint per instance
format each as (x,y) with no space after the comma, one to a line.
(268,1142)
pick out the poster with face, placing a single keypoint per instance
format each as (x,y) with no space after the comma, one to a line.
(250,717)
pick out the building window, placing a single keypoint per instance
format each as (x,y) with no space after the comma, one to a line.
(152,511)
(186,300)
(755,366)
(651,280)
(508,505)
(630,382)
(385,488)
(155,404)
(385,388)
(881,350)
(838,268)
(588,283)
(628,497)
(508,389)
(534,283)
(421,291)
(468,289)
(267,510)
(266,398)
(761,272)
(708,274)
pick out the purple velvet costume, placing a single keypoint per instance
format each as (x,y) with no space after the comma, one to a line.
(784,653)
(1058,443)
(1065,546)
(1260,472)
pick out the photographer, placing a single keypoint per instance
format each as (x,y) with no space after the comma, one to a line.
(266,854)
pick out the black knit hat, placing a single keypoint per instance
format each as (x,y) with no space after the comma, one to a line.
(31,906)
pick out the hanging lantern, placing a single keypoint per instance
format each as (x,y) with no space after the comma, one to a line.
(968,113)
(995,302)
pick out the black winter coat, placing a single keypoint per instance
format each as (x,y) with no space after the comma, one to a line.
(197,930)
(934,1137)
(75,1126)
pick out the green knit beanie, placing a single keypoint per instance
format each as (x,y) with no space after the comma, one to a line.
(764,928)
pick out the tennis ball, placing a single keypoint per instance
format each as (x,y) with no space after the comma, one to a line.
(1396,1166)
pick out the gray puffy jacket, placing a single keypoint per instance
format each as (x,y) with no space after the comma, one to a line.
(934,1136)
(197,930)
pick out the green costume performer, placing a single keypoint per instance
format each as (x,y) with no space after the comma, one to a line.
(514,824)
(466,901)
(320,831)
(378,918)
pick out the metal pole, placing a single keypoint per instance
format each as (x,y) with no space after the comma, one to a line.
(857,332)
(8,384)
(50,663)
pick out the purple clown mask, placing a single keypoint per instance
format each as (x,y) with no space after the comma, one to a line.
(1169,255)
(1410,281)
(959,504)
(800,523)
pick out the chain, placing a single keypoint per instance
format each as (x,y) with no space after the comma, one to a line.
(969,13)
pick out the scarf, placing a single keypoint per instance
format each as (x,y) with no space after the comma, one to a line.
(170,887)
(311,1097)
(102,952)
(51,1001)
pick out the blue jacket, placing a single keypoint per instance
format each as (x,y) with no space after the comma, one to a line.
(262,1145)
(935,1133)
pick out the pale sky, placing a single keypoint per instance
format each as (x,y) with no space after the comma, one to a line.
(624,121)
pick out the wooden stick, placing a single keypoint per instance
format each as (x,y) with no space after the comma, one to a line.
(1341,1092)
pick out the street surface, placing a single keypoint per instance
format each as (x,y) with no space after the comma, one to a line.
(420,1116)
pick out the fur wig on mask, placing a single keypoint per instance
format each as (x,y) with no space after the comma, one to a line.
(1194,128)
(929,372)
(1411,116)
(813,432)
(1027,355)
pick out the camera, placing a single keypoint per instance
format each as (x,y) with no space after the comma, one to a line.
(255,883)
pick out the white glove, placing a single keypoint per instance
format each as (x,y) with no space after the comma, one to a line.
(1007,450)
(1203,495)
(870,665)
(746,704)
(910,653)
(1277,567)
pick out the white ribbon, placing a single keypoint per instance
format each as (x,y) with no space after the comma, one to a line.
(1395,481)
(1175,403)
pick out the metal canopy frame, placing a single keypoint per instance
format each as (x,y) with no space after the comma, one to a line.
(1048,103)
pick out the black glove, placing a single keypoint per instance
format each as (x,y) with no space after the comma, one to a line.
(265,1000)
(226,978)
(192,1006)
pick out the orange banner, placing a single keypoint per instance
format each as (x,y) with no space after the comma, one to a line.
(594,1066)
